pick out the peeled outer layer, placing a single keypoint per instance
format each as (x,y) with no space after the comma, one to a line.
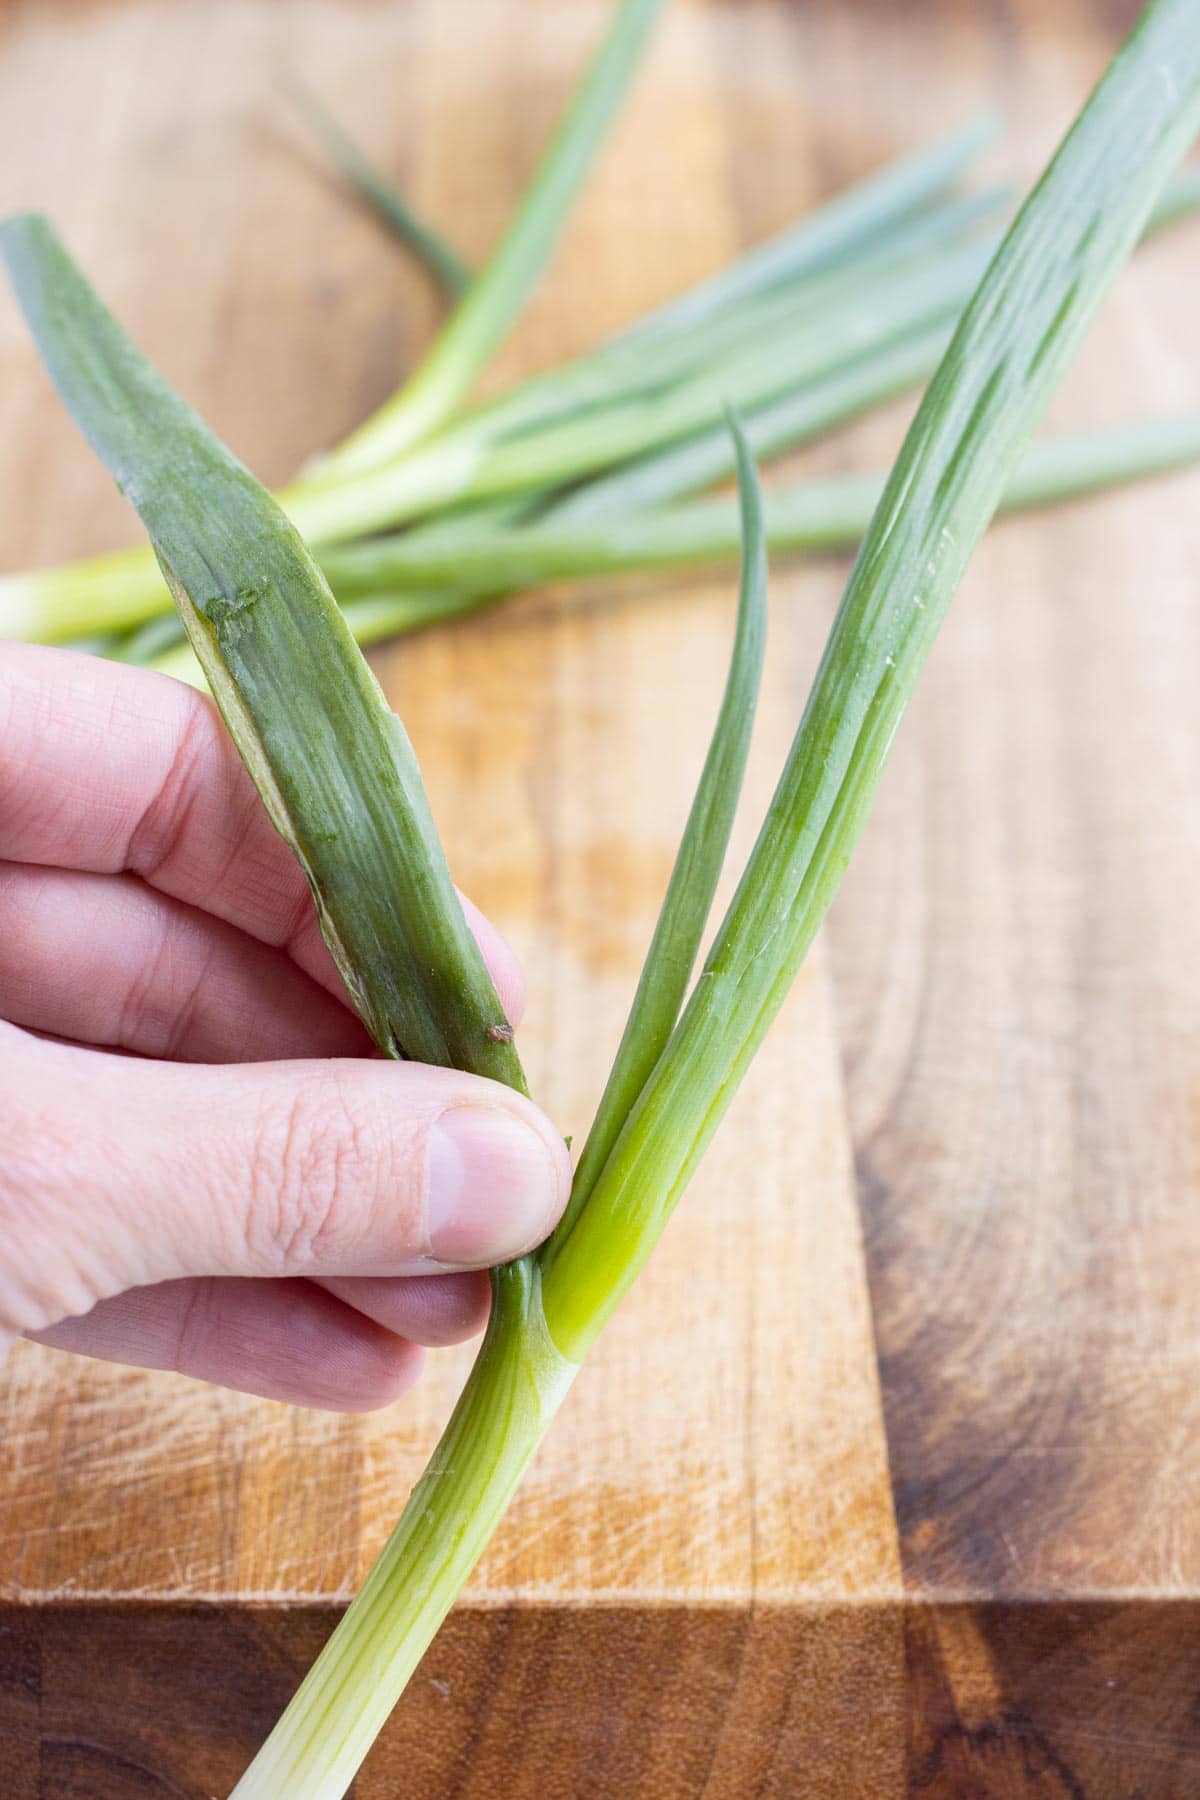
(331,761)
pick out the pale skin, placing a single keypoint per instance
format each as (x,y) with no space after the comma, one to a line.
(203,1165)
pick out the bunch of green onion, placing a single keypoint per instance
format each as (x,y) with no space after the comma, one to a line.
(437,506)
(337,774)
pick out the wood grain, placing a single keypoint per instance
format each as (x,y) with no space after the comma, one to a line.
(885,1478)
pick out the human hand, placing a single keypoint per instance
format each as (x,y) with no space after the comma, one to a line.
(248,1194)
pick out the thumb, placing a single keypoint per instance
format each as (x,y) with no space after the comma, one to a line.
(120,1172)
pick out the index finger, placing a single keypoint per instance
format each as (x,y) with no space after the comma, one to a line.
(113,769)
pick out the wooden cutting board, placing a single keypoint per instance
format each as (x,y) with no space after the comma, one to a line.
(887,1477)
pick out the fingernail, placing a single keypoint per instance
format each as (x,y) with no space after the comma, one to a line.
(493,1186)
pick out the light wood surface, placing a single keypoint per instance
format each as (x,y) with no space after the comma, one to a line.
(886,1478)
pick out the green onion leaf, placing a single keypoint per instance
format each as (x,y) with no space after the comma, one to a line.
(676,941)
(861,218)
(384,588)
(1011,348)
(331,761)
(1016,339)
(809,517)
(245,582)
(443,263)
(114,592)
(792,418)
(496,296)
(471,459)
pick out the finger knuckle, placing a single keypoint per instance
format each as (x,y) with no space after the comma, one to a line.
(315,1174)
(158,1005)
(157,836)
(27,935)
(194,1327)
(44,1274)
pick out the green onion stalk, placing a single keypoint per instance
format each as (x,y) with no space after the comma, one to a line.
(421,454)
(492,302)
(337,775)
(814,516)
(429,246)
(389,587)
(841,311)
(483,456)
(114,604)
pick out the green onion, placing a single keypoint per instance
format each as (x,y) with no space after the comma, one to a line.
(633,367)
(336,773)
(813,516)
(472,460)
(337,776)
(117,591)
(147,643)
(1178,198)
(493,300)
(393,586)
(250,596)
(689,897)
(1009,353)
(864,215)
(799,340)
(370,618)
(793,418)
(861,232)
(1011,348)
(444,263)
